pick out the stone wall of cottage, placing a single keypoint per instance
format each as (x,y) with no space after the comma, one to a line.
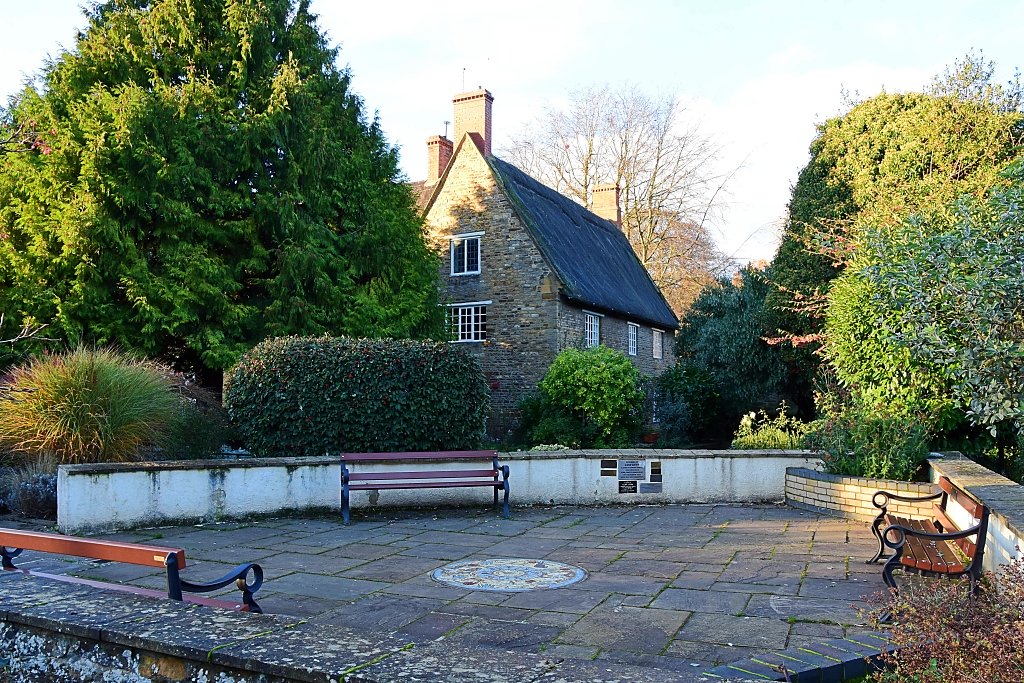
(522,318)
(614,334)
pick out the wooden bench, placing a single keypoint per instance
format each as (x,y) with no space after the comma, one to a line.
(364,479)
(936,545)
(13,542)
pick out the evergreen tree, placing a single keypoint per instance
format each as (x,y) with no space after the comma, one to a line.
(207,179)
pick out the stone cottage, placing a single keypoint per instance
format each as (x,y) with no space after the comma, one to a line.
(528,272)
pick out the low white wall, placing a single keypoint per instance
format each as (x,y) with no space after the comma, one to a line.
(95,497)
(111,496)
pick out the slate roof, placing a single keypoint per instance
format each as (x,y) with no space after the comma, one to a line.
(591,256)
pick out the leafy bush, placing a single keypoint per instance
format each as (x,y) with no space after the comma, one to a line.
(87,406)
(688,403)
(201,427)
(942,635)
(758,431)
(862,443)
(317,395)
(590,397)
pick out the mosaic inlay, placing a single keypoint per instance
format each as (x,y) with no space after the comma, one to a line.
(507,575)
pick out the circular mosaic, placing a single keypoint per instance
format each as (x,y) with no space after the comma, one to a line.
(507,575)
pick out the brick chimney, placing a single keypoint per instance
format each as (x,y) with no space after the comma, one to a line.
(473,116)
(439,152)
(605,202)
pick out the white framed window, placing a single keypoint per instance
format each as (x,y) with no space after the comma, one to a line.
(632,329)
(465,251)
(469,321)
(591,329)
(657,343)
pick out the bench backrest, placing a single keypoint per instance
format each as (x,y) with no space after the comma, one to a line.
(130,553)
(418,455)
(976,510)
(973,507)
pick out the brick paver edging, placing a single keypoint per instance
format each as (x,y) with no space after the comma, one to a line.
(830,661)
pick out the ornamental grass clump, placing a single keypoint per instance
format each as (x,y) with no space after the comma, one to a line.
(86,406)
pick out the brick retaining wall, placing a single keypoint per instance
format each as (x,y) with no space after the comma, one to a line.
(850,496)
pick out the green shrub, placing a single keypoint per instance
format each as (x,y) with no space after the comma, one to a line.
(758,431)
(559,425)
(861,443)
(596,392)
(201,427)
(87,406)
(317,395)
(687,403)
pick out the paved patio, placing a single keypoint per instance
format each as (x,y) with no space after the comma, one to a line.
(674,588)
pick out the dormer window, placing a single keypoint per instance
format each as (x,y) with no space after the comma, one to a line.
(465,250)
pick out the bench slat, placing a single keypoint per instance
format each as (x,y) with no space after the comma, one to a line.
(129,553)
(438,474)
(940,558)
(418,455)
(911,523)
(424,485)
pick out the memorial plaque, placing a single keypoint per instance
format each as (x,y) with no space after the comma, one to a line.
(649,488)
(632,470)
(627,486)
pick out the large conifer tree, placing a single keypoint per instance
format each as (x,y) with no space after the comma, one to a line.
(207,178)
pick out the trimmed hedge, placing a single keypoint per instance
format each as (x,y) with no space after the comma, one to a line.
(318,395)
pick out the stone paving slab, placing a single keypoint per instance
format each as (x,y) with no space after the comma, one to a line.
(673,589)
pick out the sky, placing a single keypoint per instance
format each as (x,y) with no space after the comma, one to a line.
(756,77)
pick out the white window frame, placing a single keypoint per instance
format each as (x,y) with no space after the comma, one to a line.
(632,332)
(591,329)
(657,343)
(465,238)
(467,328)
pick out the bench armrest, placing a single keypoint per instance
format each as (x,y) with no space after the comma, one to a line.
(902,532)
(239,576)
(887,496)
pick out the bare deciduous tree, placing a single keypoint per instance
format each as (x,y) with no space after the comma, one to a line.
(667,170)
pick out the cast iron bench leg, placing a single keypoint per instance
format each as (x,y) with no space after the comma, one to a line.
(875,529)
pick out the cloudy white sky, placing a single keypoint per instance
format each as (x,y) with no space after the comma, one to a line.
(757,76)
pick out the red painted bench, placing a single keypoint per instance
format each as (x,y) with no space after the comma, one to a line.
(364,478)
(13,542)
(933,546)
